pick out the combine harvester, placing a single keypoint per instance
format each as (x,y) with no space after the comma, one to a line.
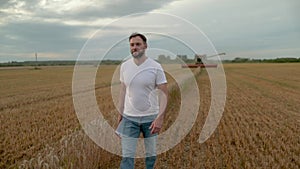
(199,62)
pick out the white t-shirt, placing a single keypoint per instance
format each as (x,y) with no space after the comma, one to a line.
(141,97)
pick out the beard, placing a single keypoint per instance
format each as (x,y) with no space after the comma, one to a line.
(138,54)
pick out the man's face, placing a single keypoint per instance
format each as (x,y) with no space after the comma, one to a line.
(137,47)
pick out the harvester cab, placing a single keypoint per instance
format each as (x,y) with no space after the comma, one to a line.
(199,58)
(201,61)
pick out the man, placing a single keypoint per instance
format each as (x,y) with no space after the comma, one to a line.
(142,102)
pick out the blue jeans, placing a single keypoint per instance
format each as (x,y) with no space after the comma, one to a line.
(129,130)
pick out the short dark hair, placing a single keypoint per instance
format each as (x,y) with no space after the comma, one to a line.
(138,34)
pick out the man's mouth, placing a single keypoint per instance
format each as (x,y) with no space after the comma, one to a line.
(136,53)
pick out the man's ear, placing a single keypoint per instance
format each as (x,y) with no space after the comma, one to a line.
(146,45)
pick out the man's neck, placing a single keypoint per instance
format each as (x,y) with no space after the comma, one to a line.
(139,61)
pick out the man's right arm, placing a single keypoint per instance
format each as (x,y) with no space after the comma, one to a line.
(121,100)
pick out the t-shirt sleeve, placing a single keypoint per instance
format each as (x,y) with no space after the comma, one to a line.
(121,73)
(160,77)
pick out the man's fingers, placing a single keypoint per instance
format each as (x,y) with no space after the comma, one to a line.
(155,130)
(151,126)
(152,129)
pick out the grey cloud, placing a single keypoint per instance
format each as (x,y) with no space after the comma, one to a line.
(238,26)
(108,10)
(6,4)
(233,26)
(45,37)
(121,8)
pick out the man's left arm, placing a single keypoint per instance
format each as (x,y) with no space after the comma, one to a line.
(163,100)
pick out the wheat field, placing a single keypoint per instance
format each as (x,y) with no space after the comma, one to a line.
(259,127)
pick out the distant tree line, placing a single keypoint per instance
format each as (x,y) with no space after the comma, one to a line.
(180,58)
(58,63)
(248,60)
(161,58)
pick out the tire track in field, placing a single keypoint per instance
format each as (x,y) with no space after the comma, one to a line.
(241,121)
(283,94)
(277,96)
(25,126)
(261,121)
(42,97)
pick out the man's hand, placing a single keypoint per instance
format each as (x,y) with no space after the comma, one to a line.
(120,118)
(156,125)
(119,121)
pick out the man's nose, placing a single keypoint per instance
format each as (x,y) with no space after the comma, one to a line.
(134,47)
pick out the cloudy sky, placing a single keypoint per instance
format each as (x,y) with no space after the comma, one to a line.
(58,29)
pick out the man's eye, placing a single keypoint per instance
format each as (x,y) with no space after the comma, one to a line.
(135,44)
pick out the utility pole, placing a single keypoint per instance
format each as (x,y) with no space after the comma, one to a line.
(35,61)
